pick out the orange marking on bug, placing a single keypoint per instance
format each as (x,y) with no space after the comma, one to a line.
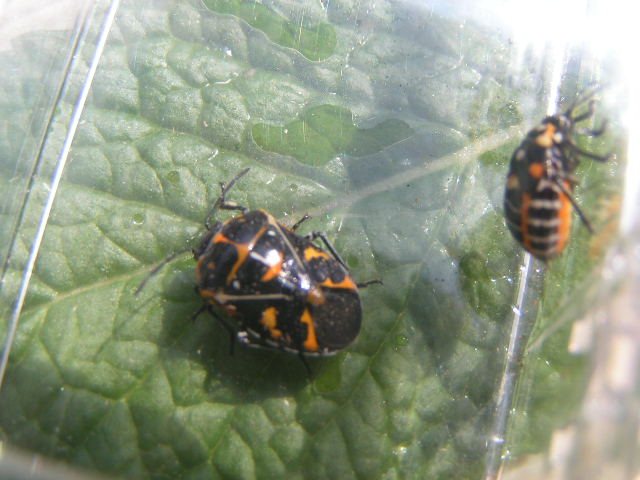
(274,270)
(347,283)
(269,320)
(565,219)
(243,250)
(199,271)
(315,296)
(221,238)
(524,221)
(208,294)
(311,343)
(312,252)
(536,170)
(230,309)
(512,182)
(545,139)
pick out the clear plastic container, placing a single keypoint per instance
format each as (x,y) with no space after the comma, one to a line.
(392,124)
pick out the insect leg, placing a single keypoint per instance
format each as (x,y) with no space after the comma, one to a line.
(198,312)
(588,114)
(590,132)
(594,156)
(300,222)
(331,248)
(581,99)
(305,363)
(221,203)
(313,235)
(575,205)
(223,321)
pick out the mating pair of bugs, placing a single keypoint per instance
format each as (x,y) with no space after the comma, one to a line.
(287,293)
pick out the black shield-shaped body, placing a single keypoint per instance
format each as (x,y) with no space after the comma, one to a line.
(283,290)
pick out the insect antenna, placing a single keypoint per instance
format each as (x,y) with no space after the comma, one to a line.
(369,282)
(157,268)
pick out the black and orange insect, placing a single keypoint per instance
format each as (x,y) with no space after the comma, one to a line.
(538,200)
(282,290)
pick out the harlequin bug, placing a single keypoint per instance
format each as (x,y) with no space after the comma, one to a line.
(282,290)
(538,199)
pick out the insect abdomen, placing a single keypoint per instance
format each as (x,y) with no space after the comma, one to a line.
(541,220)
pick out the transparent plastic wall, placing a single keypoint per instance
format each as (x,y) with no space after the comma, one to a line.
(392,125)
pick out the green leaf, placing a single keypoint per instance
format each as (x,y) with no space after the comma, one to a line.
(323,132)
(376,130)
(316,42)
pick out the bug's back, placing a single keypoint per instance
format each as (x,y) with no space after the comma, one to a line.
(537,207)
(284,291)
